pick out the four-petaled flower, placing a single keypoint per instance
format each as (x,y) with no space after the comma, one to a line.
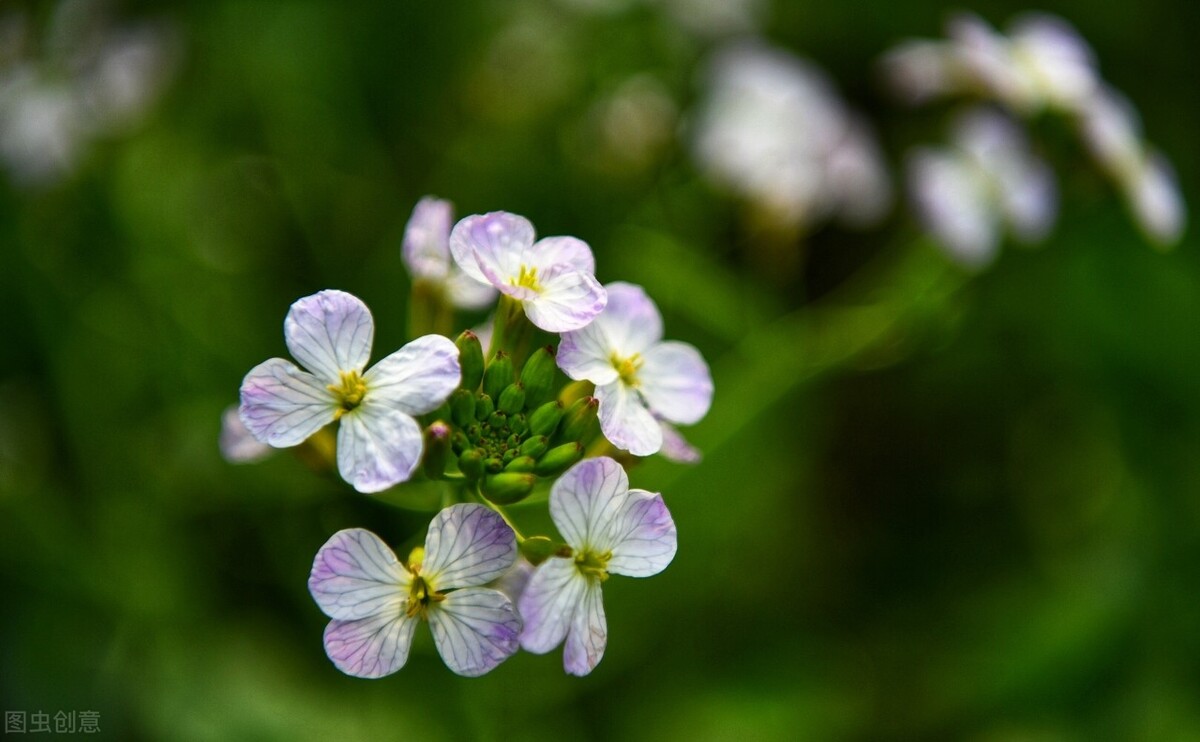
(379,442)
(639,378)
(376,601)
(552,278)
(611,530)
(426,254)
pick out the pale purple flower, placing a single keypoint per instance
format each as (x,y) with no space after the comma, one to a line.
(640,379)
(552,277)
(611,530)
(238,445)
(379,442)
(376,601)
(677,448)
(426,253)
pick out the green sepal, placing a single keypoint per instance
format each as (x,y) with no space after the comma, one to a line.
(507,488)
(521,464)
(470,359)
(559,458)
(538,376)
(498,376)
(545,419)
(512,399)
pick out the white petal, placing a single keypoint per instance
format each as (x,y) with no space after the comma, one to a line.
(370,647)
(569,299)
(497,240)
(378,447)
(417,378)
(588,634)
(475,629)
(238,445)
(549,602)
(951,199)
(551,251)
(585,501)
(465,292)
(677,448)
(644,534)
(675,382)
(587,354)
(630,321)
(467,544)
(356,575)
(426,247)
(626,422)
(329,332)
(282,405)
(1156,202)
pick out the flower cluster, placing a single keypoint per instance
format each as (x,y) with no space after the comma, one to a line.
(1041,65)
(493,426)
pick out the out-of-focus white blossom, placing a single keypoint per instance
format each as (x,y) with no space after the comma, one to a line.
(93,80)
(988,182)
(772,130)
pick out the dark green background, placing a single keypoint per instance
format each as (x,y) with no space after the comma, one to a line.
(933,506)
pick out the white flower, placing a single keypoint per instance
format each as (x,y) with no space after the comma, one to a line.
(640,379)
(238,445)
(376,601)
(552,278)
(379,442)
(611,530)
(426,254)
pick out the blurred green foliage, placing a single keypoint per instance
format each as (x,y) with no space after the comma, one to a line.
(933,506)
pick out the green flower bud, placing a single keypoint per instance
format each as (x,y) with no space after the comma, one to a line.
(459,442)
(538,376)
(492,465)
(559,458)
(462,407)
(579,421)
(470,358)
(498,376)
(521,464)
(537,549)
(483,407)
(545,419)
(517,424)
(437,449)
(512,399)
(535,446)
(508,456)
(508,487)
(497,420)
(470,463)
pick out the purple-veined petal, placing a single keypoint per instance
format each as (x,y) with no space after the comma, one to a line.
(282,405)
(329,332)
(549,602)
(512,583)
(467,544)
(378,447)
(626,422)
(238,445)
(585,500)
(586,354)
(356,575)
(644,536)
(588,633)
(568,300)
(677,448)
(630,321)
(426,247)
(497,240)
(417,378)
(675,382)
(551,251)
(465,292)
(475,629)
(370,647)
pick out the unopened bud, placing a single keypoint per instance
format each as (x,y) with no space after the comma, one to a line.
(512,399)
(470,358)
(538,376)
(544,419)
(470,463)
(579,421)
(437,449)
(535,446)
(521,464)
(498,376)
(484,406)
(462,407)
(537,549)
(507,488)
(559,458)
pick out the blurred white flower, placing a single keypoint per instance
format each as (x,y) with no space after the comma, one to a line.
(988,182)
(772,130)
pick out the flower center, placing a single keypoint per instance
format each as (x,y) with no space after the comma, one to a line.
(527,278)
(592,564)
(420,594)
(349,393)
(627,368)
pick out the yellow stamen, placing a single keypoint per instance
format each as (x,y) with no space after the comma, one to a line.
(627,368)
(527,278)
(592,564)
(349,393)
(420,596)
